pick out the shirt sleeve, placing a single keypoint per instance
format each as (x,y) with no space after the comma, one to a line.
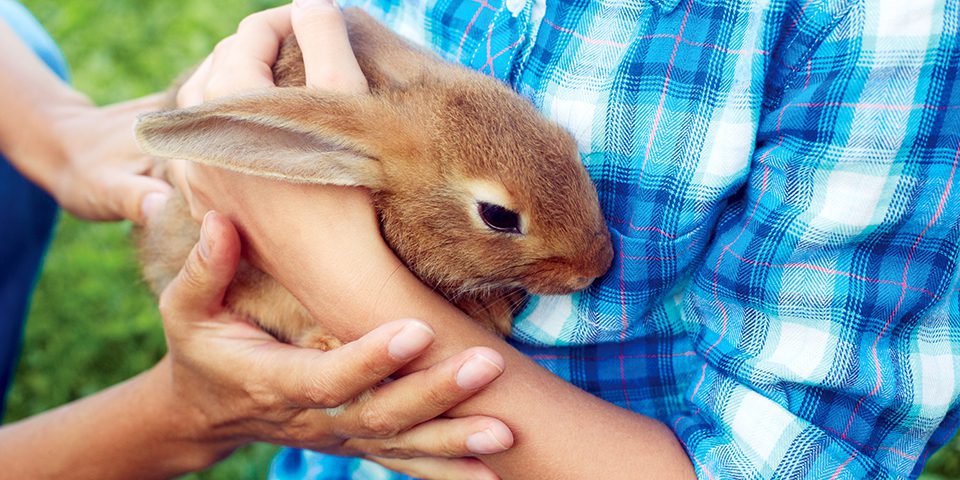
(825,310)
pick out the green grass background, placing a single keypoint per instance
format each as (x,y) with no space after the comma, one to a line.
(93,323)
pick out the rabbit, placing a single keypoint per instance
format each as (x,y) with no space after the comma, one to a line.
(479,195)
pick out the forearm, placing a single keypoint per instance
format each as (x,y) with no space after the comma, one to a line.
(560,431)
(33,98)
(593,439)
(136,429)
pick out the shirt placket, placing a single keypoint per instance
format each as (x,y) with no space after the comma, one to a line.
(496,37)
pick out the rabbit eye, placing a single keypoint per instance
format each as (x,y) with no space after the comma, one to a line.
(499,218)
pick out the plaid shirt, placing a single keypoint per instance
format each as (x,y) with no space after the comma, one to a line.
(779,178)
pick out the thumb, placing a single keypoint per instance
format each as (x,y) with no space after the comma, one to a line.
(328,60)
(208,271)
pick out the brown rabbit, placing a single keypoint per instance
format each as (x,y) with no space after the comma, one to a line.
(480,195)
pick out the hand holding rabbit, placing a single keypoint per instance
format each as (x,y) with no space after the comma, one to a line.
(375,289)
(246,56)
(244,62)
(242,385)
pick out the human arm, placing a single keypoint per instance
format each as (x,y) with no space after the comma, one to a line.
(225,383)
(525,397)
(84,156)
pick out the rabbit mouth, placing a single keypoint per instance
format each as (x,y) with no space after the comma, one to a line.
(573,285)
(563,276)
(479,287)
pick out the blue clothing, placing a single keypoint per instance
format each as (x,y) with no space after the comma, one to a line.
(780,181)
(27,215)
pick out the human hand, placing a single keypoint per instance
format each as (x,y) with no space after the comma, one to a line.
(243,62)
(244,385)
(339,225)
(85,156)
(103,174)
(266,210)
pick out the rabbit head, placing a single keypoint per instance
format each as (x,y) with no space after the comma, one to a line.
(493,195)
(476,191)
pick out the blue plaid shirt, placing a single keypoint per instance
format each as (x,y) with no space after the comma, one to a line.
(780,180)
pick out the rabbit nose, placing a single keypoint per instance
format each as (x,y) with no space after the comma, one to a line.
(602,254)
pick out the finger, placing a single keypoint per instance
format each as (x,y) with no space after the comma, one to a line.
(150,205)
(180,173)
(422,395)
(328,59)
(439,468)
(314,379)
(138,196)
(203,280)
(191,92)
(200,175)
(244,61)
(177,173)
(125,196)
(442,437)
(184,174)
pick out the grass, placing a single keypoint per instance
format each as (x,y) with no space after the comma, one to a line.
(93,323)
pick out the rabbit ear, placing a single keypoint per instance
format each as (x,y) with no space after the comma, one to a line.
(287,133)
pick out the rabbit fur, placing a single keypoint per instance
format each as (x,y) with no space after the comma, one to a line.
(435,143)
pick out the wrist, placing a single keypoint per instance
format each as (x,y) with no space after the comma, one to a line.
(37,145)
(92,156)
(61,139)
(189,433)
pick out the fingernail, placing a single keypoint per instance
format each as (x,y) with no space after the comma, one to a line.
(477,372)
(151,203)
(410,340)
(204,237)
(491,440)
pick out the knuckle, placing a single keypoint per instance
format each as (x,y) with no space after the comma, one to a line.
(328,76)
(439,398)
(250,22)
(183,94)
(375,367)
(297,430)
(319,392)
(263,398)
(320,19)
(451,447)
(193,276)
(368,363)
(391,450)
(375,423)
(223,46)
(167,305)
(387,448)
(217,86)
(130,205)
